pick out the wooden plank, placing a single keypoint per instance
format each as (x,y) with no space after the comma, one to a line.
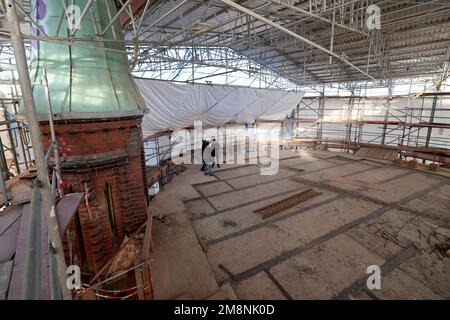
(287,203)
(139,281)
(106,266)
(147,246)
(148,290)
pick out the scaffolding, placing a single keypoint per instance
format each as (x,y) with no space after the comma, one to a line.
(414,125)
(320,47)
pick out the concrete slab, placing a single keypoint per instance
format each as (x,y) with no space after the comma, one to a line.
(431,271)
(394,230)
(327,246)
(402,187)
(239,197)
(367,236)
(214,188)
(238,220)
(252,180)
(226,292)
(243,252)
(236,172)
(301,161)
(179,266)
(198,207)
(326,269)
(170,200)
(258,287)
(398,285)
(349,171)
(436,203)
(317,165)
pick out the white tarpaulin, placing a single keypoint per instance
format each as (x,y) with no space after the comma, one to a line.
(174,106)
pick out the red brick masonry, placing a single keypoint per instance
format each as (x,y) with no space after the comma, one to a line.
(106,157)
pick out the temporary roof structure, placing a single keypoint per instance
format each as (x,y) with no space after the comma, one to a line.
(173,106)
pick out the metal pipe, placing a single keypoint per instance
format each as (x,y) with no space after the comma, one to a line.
(293,34)
(13,147)
(13,25)
(115,17)
(163,17)
(294,8)
(83,15)
(143,15)
(2,183)
(31,282)
(49,153)
(52,132)
(332,36)
(61,18)
(25,151)
(121,273)
(29,17)
(113,29)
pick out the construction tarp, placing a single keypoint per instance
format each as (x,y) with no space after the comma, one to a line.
(173,106)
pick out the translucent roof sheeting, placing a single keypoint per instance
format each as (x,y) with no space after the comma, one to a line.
(174,106)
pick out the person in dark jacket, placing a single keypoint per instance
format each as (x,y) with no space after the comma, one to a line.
(204,145)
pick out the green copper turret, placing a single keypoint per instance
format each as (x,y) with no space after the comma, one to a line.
(89,79)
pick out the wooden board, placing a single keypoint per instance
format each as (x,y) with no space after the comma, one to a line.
(282,205)
(139,282)
(147,247)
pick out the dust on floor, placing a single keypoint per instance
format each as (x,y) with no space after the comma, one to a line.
(322,248)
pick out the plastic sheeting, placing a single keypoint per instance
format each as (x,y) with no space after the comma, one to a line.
(174,106)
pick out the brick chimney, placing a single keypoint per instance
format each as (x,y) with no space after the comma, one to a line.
(97,111)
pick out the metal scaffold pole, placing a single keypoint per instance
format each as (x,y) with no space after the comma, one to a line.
(42,169)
